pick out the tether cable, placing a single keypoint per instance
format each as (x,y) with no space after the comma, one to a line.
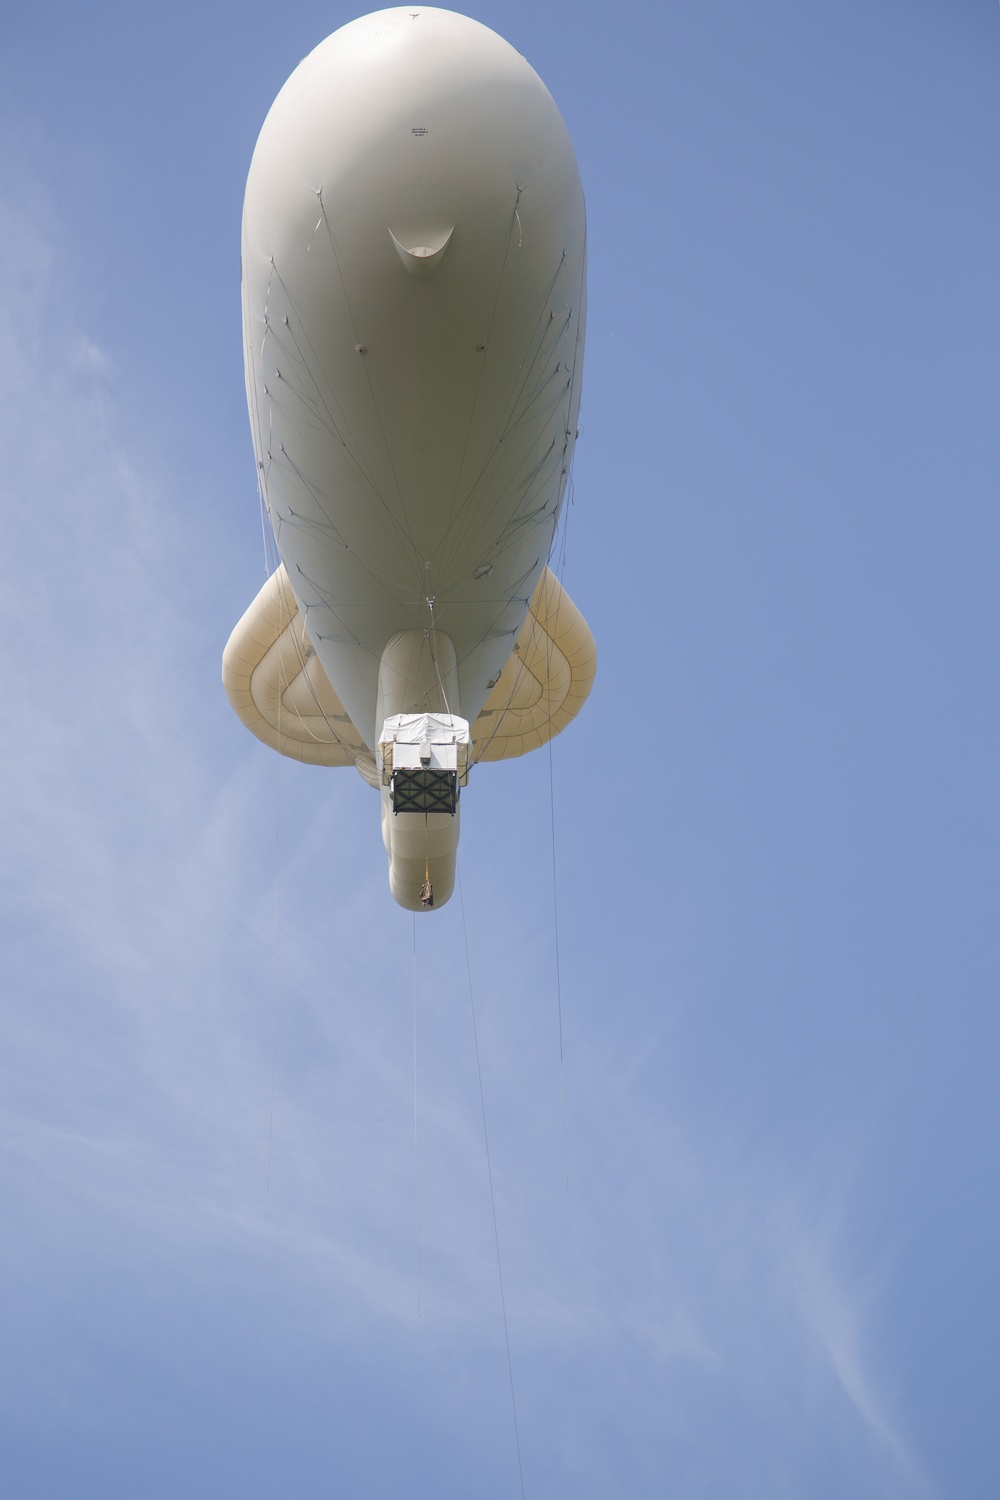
(416,1138)
(269,566)
(489,1173)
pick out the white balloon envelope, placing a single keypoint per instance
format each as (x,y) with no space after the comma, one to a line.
(414,258)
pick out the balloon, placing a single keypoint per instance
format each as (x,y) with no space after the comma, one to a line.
(414,260)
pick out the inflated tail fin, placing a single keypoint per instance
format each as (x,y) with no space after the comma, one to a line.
(546,680)
(277,685)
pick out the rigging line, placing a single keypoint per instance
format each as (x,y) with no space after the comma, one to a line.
(304,349)
(434,662)
(555,926)
(513,730)
(285,589)
(457,537)
(494,448)
(289,607)
(549,337)
(522,376)
(259,379)
(274,930)
(257,431)
(416,1139)
(478,751)
(480,485)
(560,565)
(361,472)
(525,413)
(311,363)
(327,527)
(482,365)
(404,525)
(465,530)
(325,599)
(556,560)
(560,531)
(518,516)
(524,395)
(314,404)
(293,409)
(274,965)
(536,629)
(496,452)
(489,1173)
(519,480)
(265,526)
(327,533)
(491,632)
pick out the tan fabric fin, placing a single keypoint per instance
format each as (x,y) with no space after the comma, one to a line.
(275,682)
(545,681)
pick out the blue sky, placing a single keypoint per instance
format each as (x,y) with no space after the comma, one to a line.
(773,1272)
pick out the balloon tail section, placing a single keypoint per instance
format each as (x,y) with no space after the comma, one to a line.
(277,685)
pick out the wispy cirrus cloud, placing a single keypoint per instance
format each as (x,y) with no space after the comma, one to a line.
(682,1281)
